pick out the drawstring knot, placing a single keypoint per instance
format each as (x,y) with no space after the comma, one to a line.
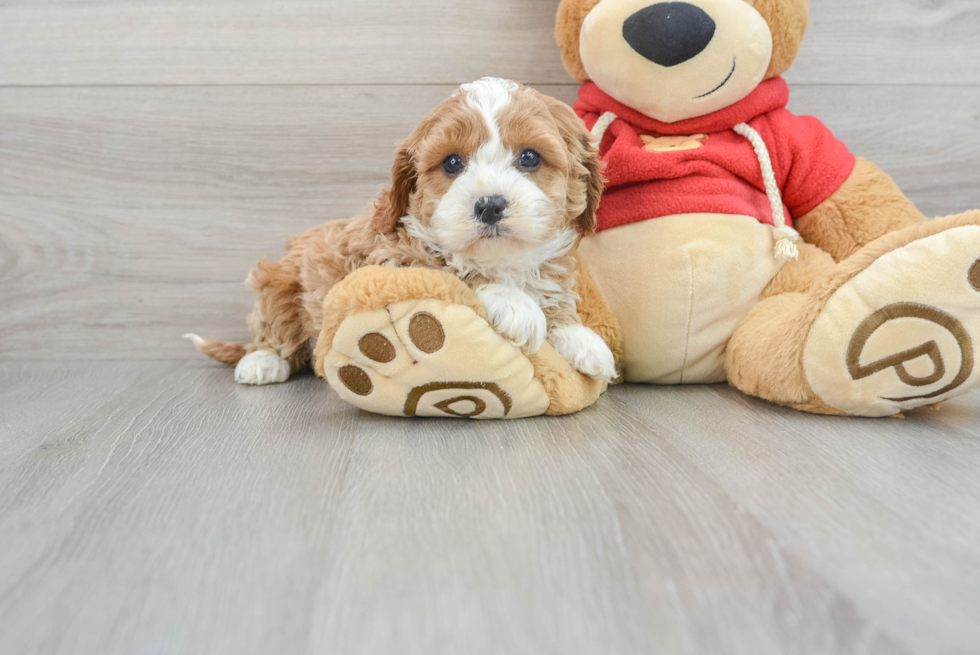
(786,237)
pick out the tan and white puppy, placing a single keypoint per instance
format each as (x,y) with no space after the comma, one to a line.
(496,186)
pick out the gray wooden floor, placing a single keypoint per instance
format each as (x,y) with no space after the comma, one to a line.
(151,151)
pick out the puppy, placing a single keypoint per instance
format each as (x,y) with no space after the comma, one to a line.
(496,186)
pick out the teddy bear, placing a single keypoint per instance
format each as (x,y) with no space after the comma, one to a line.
(738,242)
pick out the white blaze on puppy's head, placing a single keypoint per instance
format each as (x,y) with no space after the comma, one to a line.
(493,207)
(489,96)
(502,178)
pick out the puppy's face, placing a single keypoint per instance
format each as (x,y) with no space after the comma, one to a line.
(498,170)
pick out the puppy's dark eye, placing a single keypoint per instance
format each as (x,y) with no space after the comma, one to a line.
(530,159)
(453,164)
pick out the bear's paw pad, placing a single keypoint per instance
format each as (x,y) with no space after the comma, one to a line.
(904,332)
(431,358)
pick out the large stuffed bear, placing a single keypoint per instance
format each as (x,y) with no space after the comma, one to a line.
(865,308)
(737,242)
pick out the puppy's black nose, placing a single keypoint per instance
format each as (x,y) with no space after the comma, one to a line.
(669,33)
(490,210)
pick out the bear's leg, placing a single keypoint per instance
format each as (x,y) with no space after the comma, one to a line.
(799,275)
(416,342)
(894,327)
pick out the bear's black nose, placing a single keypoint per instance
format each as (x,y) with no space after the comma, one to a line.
(490,210)
(669,33)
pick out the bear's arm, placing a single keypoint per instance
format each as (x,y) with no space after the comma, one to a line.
(868,205)
(839,203)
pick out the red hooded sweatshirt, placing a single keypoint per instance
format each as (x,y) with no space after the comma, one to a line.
(715,170)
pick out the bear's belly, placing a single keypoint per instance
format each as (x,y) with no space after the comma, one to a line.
(680,285)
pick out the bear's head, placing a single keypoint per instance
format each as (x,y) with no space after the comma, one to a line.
(678,60)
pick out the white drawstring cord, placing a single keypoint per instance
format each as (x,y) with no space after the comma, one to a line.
(786,237)
(601,125)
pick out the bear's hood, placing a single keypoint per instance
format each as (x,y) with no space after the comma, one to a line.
(770,95)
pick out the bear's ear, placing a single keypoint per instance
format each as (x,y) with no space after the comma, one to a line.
(787,21)
(568,28)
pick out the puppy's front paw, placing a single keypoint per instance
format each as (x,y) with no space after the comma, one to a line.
(262,367)
(585,351)
(515,315)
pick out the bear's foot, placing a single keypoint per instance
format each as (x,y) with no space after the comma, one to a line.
(893,328)
(416,342)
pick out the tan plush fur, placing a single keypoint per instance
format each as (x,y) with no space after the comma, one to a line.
(571,15)
(799,275)
(289,311)
(568,390)
(867,206)
(595,312)
(788,21)
(765,355)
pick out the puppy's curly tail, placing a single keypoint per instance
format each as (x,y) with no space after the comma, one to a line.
(226,353)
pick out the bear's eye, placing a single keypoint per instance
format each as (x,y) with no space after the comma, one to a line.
(530,159)
(453,164)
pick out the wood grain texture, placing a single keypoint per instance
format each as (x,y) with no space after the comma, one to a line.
(286,42)
(830,489)
(173,511)
(63,42)
(129,216)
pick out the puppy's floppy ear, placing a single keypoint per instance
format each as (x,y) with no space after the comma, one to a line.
(394,201)
(588,220)
(585,181)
